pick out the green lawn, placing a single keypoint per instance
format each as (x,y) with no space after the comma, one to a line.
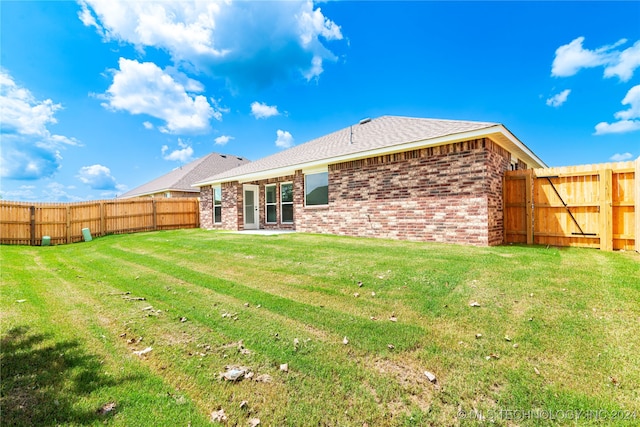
(560,332)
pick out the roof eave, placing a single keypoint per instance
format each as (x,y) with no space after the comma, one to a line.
(517,147)
(148,193)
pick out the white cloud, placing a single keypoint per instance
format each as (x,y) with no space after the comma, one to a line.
(573,57)
(261,110)
(21,113)
(98,177)
(223,139)
(632,99)
(622,126)
(144,88)
(621,157)
(24,192)
(276,38)
(284,139)
(570,58)
(147,125)
(628,120)
(182,155)
(184,29)
(559,99)
(625,64)
(29,149)
(58,192)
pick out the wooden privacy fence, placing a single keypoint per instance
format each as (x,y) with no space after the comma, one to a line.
(596,206)
(26,223)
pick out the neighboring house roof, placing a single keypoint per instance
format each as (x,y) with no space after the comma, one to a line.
(183,177)
(384,135)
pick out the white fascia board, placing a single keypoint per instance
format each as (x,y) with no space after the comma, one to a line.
(521,146)
(315,169)
(148,193)
(423,143)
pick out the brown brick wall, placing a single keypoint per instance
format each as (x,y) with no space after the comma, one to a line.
(498,161)
(206,204)
(451,193)
(231,206)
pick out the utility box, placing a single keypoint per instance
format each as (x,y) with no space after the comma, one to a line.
(86,234)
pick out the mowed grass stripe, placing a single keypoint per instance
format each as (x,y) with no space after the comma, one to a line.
(176,345)
(60,336)
(367,334)
(314,291)
(316,361)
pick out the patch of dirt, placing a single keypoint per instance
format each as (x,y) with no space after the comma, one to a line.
(411,378)
(405,374)
(176,338)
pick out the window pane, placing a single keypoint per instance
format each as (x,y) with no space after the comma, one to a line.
(249,217)
(317,189)
(287,193)
(287,213)
(217,196)
(271,214)
(217,214)
(271,193)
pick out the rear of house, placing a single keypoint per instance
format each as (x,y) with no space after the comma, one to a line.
(393,177)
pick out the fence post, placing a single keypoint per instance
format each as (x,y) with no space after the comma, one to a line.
(529,205)
(32,225)
(155,214)
(198,211)
(636,202)
(606,210)
(68,213)
(103,220)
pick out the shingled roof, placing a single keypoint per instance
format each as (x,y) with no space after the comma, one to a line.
(382,135)
(183,178)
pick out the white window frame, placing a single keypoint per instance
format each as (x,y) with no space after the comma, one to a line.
(267,204)
(282,203)
(305,187)
(213,201)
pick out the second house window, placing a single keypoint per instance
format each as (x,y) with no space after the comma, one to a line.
(270,204)
(286,202)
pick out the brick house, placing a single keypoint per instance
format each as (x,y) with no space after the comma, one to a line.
(393,177)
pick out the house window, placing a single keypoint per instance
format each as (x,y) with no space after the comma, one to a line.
(316,189)
(286,202)
(270,204)
(217,205)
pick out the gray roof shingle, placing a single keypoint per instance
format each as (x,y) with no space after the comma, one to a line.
(382,132)
(183,177)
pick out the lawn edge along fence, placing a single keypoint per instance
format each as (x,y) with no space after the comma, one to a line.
(24,223)
(595,206)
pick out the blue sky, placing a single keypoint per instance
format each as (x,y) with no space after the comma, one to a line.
(99,97)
